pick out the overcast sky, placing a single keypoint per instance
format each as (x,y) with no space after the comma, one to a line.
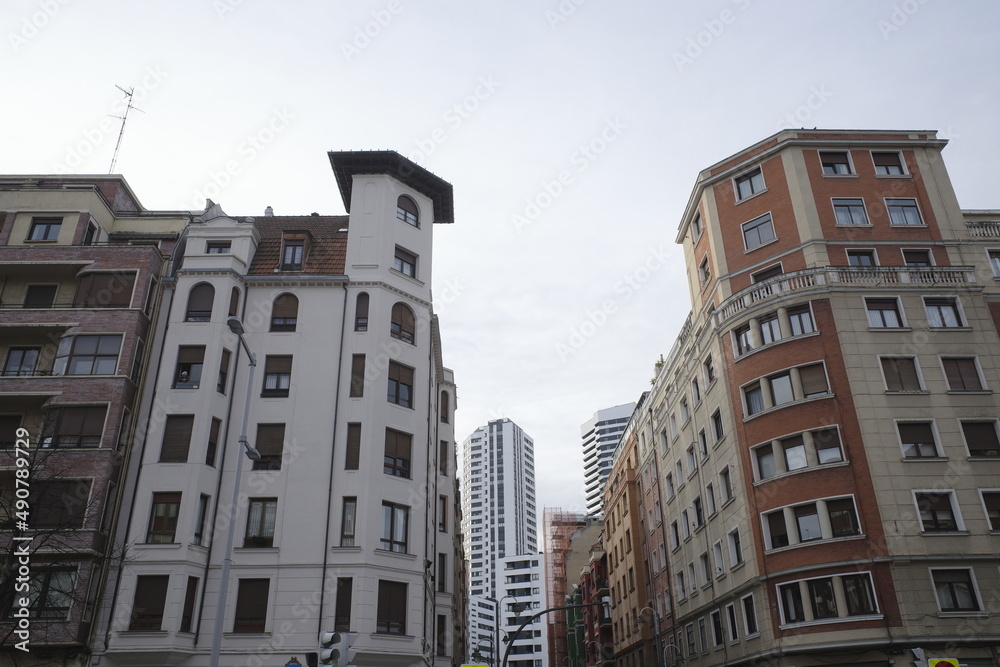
(571,130)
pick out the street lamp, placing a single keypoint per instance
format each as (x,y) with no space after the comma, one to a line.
(236,326)
(496,642)
(656,630)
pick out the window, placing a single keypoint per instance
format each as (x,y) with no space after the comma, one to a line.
(681,592)
(443,514)
(955,589)
(402,323)
(704,272)
(734,631)
(391,613)
(962,374)
(835,163)
(726,483)
(220,386)
(397,453)
(937,513)
(342,610)
(696,227)
(692,646)
(777,529)
(883,313)
(766,274)
(749,184)
(695,391)
(743,341)
(199,526)
(800,318)
(277,375)
(293,254)
(44,229)
(991,504)
(147,606)
(406,210)
(718,635)
(8,430)
(251,605)
(903,212)
(981,438)
(766,466)
(163,518)
(361,312)
(405,262)
(176,438)
(850,211)
(445,408)
(709,366)
(59,504)
(51,592)
(790,596)
(794,451)
(900,374)
(859,593)
(357,376)
(827,444)
(942,312)
(75,427)
(443,455)
(190,360)
(104,290)
(916,258)
(692,460)
(770,330)
(218,247)
(887,164)
(40,296)
(917,439)
(400,389)
(261,516)
(781,388)
(352,456)
(270,443)
(213,441)
(441,631)
(90,236)
(187,611)
(735,548)
(758,231)
(200,300)
(87,355)
(843,517)
(861,258)
(395,520)
(994,256)
(285,313)
(348,522)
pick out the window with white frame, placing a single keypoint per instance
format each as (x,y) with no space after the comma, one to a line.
(884,313)
(994,257)
(903,212)
(955,588)
(726,485)
(861,258)
(734,631)
(719,559)
(717,430)
(962,374)
(749,184)
(718,634)
(800,319)
(887,163)
(749,615)
(916,258)
(981,438)
(938,511)
(807,522)
(942,312)
(735,548)
(850,211)
(918,439)
(827,598)
(991,506)
(835,163)
(758,232)
(900,374)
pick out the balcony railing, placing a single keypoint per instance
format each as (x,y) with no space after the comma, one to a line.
(887,276)
(983,228)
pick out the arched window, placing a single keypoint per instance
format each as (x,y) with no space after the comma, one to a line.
(200,303)
(361,312)
(406,210)
(445,407)
(285,314)
(234,302)
(401,326)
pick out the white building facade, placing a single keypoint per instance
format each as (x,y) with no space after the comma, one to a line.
(347,520)
(522,595)
(600,435)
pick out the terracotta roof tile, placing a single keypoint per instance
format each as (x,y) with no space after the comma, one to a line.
(327,251)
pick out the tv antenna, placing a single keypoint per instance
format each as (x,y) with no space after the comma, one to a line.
(123,117)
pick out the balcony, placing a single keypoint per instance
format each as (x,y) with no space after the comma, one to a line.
(984,228)
(831,277)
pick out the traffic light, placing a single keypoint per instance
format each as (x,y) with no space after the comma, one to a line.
(336,648)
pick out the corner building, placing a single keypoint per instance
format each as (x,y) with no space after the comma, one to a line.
(825,428)
(347,520)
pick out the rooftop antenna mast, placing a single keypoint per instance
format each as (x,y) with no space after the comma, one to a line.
(123,117)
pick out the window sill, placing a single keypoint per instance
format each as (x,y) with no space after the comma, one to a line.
(752,196)
(944,533)
(160,545)
(935,459)
(809,543)
(776,408)
(843,226)
(283,394)
(412,278)
(892,176)
(828,621)
(949,328)
(774,343)
(393,635)
(963,614)
(895,329)
(143,633)
(907,392)
(840,175)
(758,247)
(971,392)
(395,554)
(982,457)
(922,226)
(251,549)
(799,471)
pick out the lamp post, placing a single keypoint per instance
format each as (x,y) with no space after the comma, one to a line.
(656,630)
(236,326)
(496,633)
(597,652)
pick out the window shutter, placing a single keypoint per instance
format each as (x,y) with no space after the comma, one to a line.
(357,375)
(176,438)
(813,380)
(962,375)
(251,605)
(278,364)
(59,503)
(150,600)
(885,159)
(285,305)
(353,447)
(397,444)
(191,354)
(918,433)
(234,302)
(200,301)
(400,373)
(270,439)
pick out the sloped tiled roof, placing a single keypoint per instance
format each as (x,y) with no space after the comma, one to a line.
(327,251)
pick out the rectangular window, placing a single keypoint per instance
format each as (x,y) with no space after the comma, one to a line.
(277,375)
(962,374)
(390,616)
(261,515)
(60,504)
(87,355)
(766,465)
(734,631)
(991,504)
(442,573)
(400,389)
(887,163)
(770,331)
(213,441)
(190,361)
(187,611)
(292,254)
(794,450)
(395,520)
(777,529)
(981,438)
(743,342)
(40,296)
(749,184)
(342,610)
(900,374)
(942,312)
(21,361)
(937,513)
(800,318)
(443,451)
(163,518)
(821,598)
(883,313)
(790,597)
(348,523)
(835,163)
(781,388)
(357,376)
(807,522)
(218,247)
(74,427)
(916,258)
(704,272)
(251,605)
(104,290)
(51,593)
(861,258)
(813,379)
(176,439)
(709,367)
(758,231)
(45,229)
(352,456)
(441,631)
(843,517)
(405,262)
(749,615)
(270,444)
(850,211)
(827,444)
(443,514)
(994,256)
(149,602)
(719,559)
(726,482)
(860,595)
(199,526)
(398,446)
(220,386)
(903,212)
(955,589)
(735,548)
(917,439)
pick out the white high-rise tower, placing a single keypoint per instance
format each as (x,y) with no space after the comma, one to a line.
(600,436)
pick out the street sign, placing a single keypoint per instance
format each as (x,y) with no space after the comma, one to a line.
(942,662)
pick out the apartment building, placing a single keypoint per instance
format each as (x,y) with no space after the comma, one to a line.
(345,508)
(600,435)
(825,426)
(522,595)
(82,263)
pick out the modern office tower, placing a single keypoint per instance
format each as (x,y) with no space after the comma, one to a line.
(81,265)
(342,501)
(600,436)
(825,428)
(498,517)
